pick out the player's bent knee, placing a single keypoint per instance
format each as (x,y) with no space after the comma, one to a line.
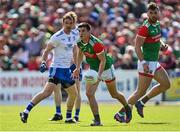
(114,95)
(75,93)
(140,93)
(47,94)
(73,96)
(166,85)
(136,93)
(89,94)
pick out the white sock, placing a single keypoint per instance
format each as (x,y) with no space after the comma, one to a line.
(26,111)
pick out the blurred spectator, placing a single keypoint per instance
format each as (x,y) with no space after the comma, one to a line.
(167,59)
(165,25)
(139,7)
(3,47)
(176,45)
(34,42)
(129,58)
(117,57)
(14,44)
(22,56)
(15,64)
(33,64)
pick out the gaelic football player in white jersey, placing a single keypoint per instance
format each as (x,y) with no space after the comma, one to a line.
(62,43)
(57,92)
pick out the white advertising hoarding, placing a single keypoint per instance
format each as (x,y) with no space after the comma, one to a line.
(21,86)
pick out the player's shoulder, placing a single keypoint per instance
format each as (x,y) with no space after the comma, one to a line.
(146,23)
(75,32)
(95,39)
(158,22)
(78,41)
(58,33)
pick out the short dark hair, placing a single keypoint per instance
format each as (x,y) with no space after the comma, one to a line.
(86,25)
(152,6)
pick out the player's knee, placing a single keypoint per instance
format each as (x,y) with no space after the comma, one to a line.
(73,95)
(114,95)
(47,93)
(166,84)
(139,93)
(89,94)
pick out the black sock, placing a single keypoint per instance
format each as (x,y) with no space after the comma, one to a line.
(97,117)
(145,99)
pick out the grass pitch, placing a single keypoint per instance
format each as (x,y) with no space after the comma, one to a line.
(157,118)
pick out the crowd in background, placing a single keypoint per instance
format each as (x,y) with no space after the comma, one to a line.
(26,26)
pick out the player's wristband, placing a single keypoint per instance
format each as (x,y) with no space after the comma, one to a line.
(142,62)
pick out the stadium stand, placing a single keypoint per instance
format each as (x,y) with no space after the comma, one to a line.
(26,25)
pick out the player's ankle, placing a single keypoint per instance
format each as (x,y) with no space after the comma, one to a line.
(128,106)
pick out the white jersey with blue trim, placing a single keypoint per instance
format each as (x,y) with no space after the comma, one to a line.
(63,51)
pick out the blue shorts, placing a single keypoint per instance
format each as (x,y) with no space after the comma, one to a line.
(73,67)
(62,76)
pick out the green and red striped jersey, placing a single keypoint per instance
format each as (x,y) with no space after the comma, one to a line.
(152,34)
(91,50)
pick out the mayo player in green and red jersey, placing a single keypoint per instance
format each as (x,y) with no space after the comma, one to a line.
(97,58)
(147,47)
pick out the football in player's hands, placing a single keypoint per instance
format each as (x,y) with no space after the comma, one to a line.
(91,76)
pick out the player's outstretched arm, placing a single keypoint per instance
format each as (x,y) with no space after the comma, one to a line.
(43,66)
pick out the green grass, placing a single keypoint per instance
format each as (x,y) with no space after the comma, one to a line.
(157,118)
